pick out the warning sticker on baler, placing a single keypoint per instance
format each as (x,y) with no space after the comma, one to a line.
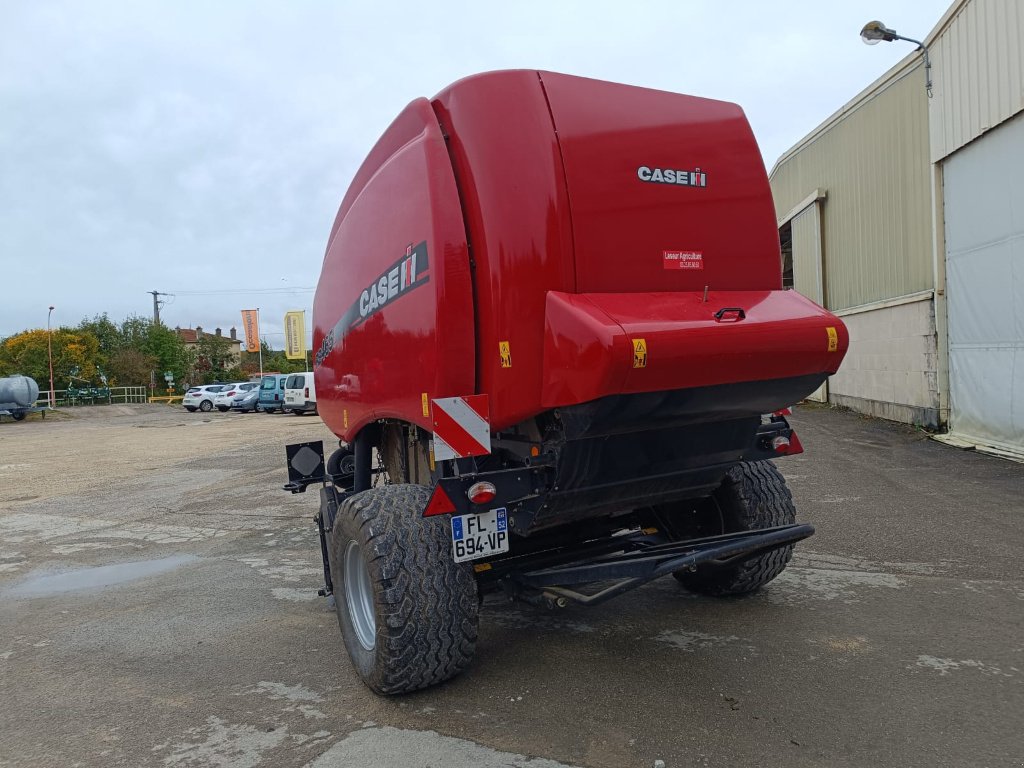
(505,353)
(461,427)
(639,353)
(833,339)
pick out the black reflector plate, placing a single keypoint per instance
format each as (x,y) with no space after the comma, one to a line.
(305,461)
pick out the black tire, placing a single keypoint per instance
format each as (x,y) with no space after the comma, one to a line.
(18,415)
(257,408)
(190,408)
(752,496)
(341,465)
(206,406)
(222,409)
(424,605)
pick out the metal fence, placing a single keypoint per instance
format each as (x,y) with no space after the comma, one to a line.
(93,396)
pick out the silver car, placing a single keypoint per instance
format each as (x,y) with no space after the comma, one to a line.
(225,399)
(250,401)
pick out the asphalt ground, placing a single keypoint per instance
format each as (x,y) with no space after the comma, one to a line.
(158,608)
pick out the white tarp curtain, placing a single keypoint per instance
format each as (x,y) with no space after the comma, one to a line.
(984,215)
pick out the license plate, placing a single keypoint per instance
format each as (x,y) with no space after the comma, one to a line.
(476,536)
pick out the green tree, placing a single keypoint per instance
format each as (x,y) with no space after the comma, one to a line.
(213,359)
(106,332)
(168,350)
(129,367)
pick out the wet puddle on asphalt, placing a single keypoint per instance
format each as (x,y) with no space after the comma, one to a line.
(48,583)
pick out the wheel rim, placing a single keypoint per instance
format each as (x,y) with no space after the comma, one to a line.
(206,405)
(359,596)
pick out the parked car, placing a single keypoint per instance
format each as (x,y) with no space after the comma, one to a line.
(226,397)
(248,401)
(201,398)
(272,392)
(300,393)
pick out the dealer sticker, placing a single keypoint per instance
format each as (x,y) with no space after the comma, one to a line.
(682,260)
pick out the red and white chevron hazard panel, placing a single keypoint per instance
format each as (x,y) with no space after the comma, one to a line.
(462,427)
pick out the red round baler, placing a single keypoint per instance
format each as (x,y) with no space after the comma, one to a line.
(551,335)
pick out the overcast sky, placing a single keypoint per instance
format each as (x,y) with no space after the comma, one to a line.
(202,149)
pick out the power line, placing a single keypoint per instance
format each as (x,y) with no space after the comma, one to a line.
(240,291)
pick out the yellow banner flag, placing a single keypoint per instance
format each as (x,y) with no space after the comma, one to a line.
(295,335)
(251,325)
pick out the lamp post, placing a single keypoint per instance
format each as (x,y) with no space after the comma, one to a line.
(49,350)
(875,31)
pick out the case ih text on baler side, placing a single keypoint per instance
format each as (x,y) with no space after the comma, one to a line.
(593,401)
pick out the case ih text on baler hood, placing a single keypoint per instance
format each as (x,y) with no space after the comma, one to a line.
(552,339)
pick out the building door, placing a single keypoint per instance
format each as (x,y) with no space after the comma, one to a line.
(805,228)
(984,220)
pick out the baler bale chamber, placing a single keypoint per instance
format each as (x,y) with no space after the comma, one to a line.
(551,336)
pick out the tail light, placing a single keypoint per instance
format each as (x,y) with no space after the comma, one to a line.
(482,492)
(787,446)
(307,393)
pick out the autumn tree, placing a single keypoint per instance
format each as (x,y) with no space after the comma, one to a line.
(27,353)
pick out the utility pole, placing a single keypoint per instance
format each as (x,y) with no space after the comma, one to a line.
(156,305)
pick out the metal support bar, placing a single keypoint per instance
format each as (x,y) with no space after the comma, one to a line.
(635,568)
(363,472)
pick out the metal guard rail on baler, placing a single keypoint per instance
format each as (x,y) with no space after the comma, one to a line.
(634,562)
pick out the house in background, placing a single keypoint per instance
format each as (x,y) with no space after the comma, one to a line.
(191,336)
(903,213)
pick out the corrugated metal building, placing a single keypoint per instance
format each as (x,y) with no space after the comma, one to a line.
(904,215)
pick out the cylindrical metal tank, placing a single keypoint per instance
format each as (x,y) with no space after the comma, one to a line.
(18,392)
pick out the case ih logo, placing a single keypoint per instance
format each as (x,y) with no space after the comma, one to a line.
(401,277)
(694,178)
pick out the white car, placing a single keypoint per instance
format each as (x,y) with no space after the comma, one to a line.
(201,398)
(231,393)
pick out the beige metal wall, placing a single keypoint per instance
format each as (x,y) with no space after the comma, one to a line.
(871,159)
(978,71)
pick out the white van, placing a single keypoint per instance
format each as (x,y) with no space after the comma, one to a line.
(300,393)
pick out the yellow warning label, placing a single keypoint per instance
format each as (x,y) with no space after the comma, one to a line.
(639,353)
(833,339)
(481,567)
(344,416)
(430,454)
(426,405)
(506,354)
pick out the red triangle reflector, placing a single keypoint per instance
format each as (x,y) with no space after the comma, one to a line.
(439,504)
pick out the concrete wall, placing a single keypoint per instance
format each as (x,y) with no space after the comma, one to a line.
(889,370)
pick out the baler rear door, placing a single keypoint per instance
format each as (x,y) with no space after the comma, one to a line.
(669,192)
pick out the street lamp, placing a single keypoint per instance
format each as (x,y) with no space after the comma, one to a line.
(875,32)
(49,350)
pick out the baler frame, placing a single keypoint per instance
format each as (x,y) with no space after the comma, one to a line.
(627,558)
